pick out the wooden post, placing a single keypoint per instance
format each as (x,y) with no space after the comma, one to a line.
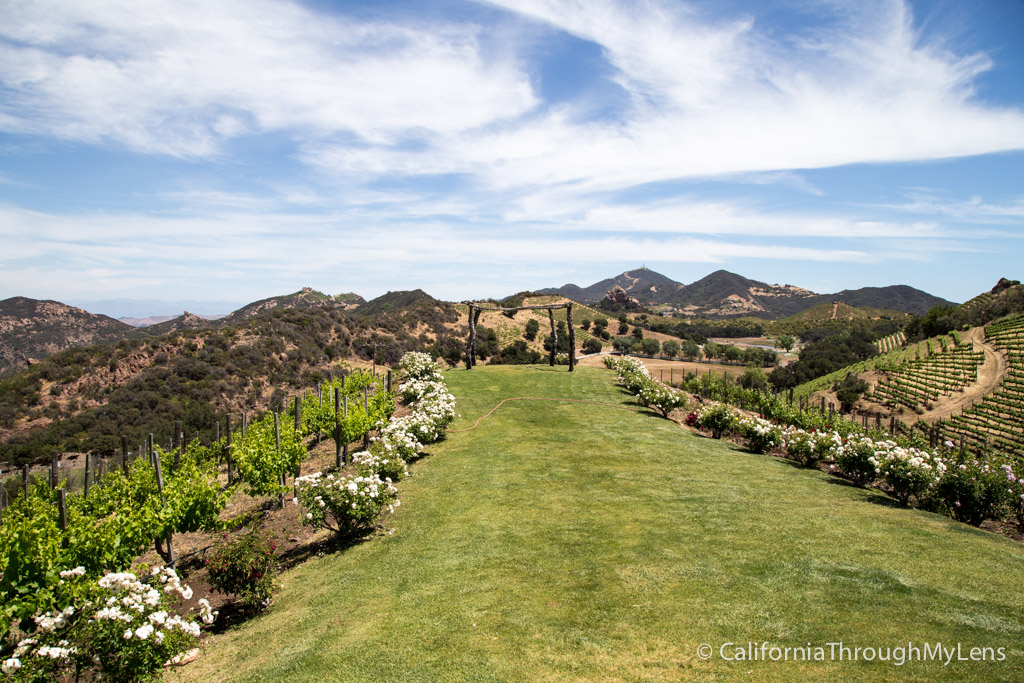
(344,446)
(476,323)
(24,480)
(298,415)
(62,507)
(277,445)
(572,340)
(151,452)
(124,455)
(216,431)
(85,492)
(337,428)
(790,395)
(554,337)
(878,421)
(180,451)
(243,424)
(227,450)
(366,411)
(163,500)
(672,376)
(53,471)
(320,400)
(471,346)
(822,405)
(391,380)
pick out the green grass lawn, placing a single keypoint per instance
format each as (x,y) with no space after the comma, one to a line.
(573,542)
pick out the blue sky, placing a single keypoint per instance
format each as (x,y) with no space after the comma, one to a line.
(229,151)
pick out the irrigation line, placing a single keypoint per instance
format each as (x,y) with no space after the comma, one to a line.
(535,398)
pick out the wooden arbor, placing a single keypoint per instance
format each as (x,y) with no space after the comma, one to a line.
(474,317)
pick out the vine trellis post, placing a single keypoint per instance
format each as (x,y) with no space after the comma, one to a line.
(474,318)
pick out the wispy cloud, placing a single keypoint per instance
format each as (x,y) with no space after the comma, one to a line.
(180,78)
(975,209)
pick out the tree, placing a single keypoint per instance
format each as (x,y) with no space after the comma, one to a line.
(623,344)
(600,324)
(486,342)
(690,350)
(670,348)
(733,353)
(754,378)
(585,324)
(712,350)
(516,353)
(592,346)
(532,328)
(650,346)
(849,390)
(623,327)
(785,341)
(638,333)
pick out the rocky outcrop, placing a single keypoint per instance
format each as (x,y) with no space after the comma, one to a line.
(618,298)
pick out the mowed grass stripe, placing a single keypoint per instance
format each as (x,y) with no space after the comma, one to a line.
(562,541)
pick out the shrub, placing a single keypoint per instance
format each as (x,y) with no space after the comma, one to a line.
(395,438)
(799,445)
(812,447)
(420,366)
(717,418)
(761,435)
(853,459)
(973,491)
(592,346)
(389,466)
(119,628)
(663,399)
(907,471)
(344,504)
(245,566)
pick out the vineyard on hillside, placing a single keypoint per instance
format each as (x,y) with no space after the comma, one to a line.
(940,366)
(892,342)
(997,420)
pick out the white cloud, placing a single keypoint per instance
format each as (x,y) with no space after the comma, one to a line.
(178,78)
(719,99)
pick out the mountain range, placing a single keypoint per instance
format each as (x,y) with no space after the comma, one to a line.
(31,329)
(723,294)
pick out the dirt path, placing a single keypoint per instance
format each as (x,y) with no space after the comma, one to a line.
(835,309)
(990,376)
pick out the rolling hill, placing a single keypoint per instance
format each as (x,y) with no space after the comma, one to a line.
(31,329)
